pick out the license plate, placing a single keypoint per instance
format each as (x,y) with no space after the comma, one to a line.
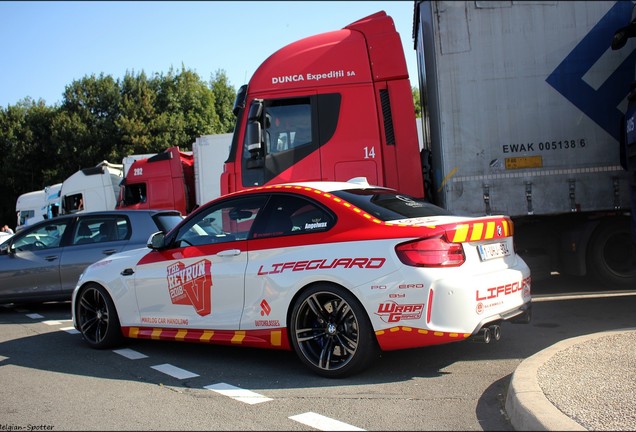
(493,250)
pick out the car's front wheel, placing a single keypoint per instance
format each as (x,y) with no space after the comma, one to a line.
(331,332)
(97,317)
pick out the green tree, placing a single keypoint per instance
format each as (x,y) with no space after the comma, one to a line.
(416,101)
(101,118)
(224,95)
(25,145)
(137,111)
(185,108)
(85,129)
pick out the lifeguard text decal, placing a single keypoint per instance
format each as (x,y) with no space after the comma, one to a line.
(322,264)
(191,285)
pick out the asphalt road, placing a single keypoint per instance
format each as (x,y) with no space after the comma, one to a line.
(52,381)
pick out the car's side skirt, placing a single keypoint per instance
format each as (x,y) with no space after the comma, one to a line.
(270,338)
(401,337)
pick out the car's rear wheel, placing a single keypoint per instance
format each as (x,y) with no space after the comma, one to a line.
(331,332)
(97,317)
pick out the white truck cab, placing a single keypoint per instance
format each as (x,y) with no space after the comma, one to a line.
(92,189)
(37,205)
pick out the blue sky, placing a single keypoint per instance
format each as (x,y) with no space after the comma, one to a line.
(48,44)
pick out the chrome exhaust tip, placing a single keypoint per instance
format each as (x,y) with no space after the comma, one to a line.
(487,334)
(495,330)
(484,335)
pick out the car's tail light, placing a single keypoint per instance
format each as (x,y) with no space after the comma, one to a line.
(431,252)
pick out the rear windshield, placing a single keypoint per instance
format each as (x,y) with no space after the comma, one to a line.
(388,206)
(166,221)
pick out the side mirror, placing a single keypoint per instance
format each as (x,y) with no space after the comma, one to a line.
(157,241)
(254,133)
(254,139)
(239,101)
(256,109)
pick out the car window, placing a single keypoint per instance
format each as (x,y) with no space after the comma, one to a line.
(289,214)
(46,236)
(167,221)
(101,229)
(387,205)
(226,221)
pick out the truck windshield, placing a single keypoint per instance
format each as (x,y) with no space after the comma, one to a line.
(387,205)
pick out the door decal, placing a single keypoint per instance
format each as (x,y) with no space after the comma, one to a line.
(191,285)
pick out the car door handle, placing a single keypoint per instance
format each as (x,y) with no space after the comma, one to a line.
(51,258)
(127,272)
(109,251)
(229,252)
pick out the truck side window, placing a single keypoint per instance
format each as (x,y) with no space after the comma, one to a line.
(287,125)
(134,193)
(25,215)
(73,203)
(292,129)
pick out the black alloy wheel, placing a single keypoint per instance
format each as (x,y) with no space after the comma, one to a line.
(331,332)
(97,318)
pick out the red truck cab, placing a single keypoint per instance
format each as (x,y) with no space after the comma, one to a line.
(171,175)
(333,106)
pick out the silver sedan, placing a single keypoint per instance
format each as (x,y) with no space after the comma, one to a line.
(44,261)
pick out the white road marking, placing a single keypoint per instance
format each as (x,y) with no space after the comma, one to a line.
(52,322)
(310,419)
(238,393)
(323,423)
(174,371)
(130,354)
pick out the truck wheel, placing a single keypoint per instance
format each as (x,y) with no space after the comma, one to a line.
(97,318)
(611,256)
(331,332)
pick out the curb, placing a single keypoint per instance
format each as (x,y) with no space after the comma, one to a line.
(526,405)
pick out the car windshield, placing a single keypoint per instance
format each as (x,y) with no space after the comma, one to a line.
(388,205)
(167,221)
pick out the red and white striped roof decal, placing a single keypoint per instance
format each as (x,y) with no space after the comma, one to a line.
(477,230)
